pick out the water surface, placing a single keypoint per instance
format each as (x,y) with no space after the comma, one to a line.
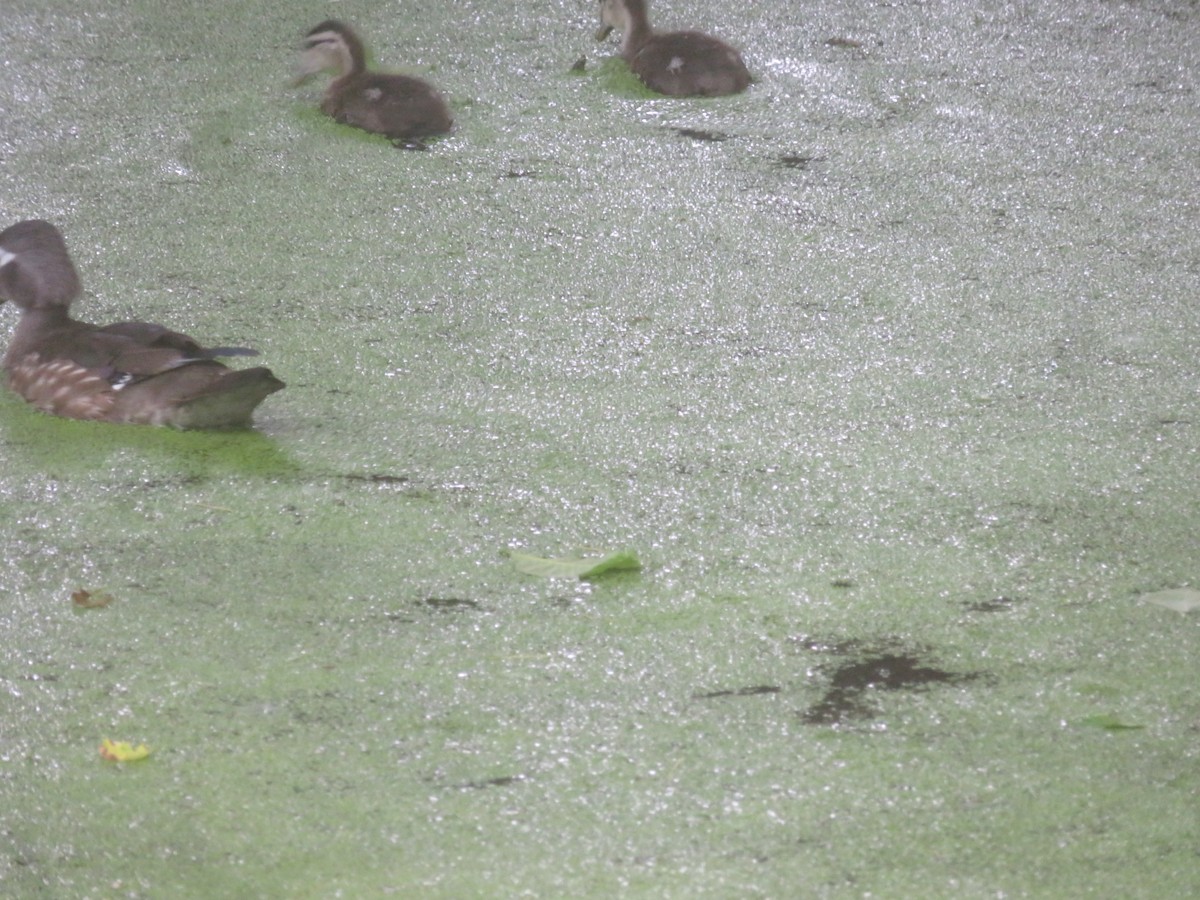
(884,369)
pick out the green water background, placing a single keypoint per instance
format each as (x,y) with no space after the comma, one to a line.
(914,341)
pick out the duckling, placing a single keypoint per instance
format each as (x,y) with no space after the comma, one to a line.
(676,63)
(134,372)
(400,107)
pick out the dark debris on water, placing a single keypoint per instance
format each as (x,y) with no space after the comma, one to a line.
(884,665)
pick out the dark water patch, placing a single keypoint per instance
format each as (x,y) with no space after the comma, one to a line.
(568,602)
(994,605)
(754,691)
(518,173)
(480,784)
(376,478)
(156,484)
(886,665)
(1109,722)
(1159,86)
(448,603)
(501,781)
(579,67)
(797,160)
(843,43)
(701,134)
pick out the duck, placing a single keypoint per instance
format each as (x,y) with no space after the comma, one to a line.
(675,63)
(400,107)
(130,372)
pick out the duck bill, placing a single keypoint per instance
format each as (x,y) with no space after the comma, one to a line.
(309,64)
(603,32)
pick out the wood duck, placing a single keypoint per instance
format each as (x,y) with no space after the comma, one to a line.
(133,372)
(400,107)
(676,63)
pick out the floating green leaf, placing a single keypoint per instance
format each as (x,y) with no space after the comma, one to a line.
(1109,723)
(574,567)
(1182,600)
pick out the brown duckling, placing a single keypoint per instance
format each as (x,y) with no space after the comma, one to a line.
(400,107)
(676,63)
(133,372)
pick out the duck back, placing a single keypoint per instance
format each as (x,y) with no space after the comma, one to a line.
(689,64)
(396,106)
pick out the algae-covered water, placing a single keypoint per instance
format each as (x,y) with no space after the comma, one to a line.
(885,371)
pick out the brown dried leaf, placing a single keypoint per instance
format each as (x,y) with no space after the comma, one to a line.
(85,599)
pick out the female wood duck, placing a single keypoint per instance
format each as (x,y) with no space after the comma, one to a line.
(402,108)
(128,372)
(676,63)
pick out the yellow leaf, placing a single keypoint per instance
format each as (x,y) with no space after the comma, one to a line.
(122,751)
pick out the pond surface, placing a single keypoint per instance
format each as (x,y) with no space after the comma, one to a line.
(885,371)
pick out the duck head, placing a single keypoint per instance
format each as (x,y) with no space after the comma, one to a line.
(616,14)
(36,271)
(330,47)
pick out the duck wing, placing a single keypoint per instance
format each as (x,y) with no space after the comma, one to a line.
(200,394)
(163,377)
(157,337)
(397,106)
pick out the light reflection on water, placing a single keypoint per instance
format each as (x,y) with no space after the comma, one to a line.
(942,361)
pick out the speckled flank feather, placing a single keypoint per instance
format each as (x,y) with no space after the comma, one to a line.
(61,387)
